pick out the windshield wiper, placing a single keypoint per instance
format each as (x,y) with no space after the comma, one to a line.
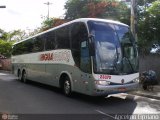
(116,60)
(129,63)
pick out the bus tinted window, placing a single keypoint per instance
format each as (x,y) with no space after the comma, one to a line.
(75,43)
(62,37)
(75,36)
(14,50)
(18,49)
(28,46)
(38,44)
(23,47)
(51,41)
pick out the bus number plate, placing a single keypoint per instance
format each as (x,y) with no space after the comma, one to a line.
(122,89)
(105,77)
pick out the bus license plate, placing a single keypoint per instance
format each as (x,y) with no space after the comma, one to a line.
(121,89)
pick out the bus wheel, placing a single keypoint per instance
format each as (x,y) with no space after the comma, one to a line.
(24,78)
(67,87)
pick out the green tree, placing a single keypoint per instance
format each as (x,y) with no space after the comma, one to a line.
(149,27)
(3,34)
(33,32)
(50,23)
(143,2)
(16,35)
(5,48)
(110,9)
(76,9)
(154,18)
(46,24)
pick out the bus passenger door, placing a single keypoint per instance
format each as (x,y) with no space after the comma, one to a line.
(85,66)
(80,52)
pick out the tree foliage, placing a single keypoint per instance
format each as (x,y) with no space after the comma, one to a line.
(144,2)
(16,35)
(7,39)
(3,35)
(110,9)
(51,22)
(149,27)
(75,9)
(5,48)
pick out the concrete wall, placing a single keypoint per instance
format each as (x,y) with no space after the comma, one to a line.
(150,62)
(5,64)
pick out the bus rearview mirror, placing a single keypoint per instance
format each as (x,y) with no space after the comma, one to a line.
(91,45)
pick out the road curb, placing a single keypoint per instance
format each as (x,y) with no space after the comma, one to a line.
(147,95)
(4,71)
(155,94)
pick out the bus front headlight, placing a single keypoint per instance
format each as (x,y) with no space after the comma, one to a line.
(136,80)
(102,82)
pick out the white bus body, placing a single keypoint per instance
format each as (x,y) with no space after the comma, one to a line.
(74,57)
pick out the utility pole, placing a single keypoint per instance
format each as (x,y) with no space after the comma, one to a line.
(48,4)
(134,18)
(2,6)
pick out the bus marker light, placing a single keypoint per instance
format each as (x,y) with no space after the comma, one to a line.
(102,82)
(122,81)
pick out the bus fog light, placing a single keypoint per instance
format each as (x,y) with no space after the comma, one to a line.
(136,80)
(102,82)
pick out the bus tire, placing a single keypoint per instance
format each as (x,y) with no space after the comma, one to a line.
(19,75)
(67,87)
(24,77)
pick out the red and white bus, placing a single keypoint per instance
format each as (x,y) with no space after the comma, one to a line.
(92,56)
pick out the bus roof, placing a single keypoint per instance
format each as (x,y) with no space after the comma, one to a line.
(85,20)
(98,19)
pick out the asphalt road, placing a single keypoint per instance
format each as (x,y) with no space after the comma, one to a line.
(33,99)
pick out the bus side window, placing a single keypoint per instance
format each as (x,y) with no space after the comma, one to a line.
(75,43)
(50,41)
(20,49)
(62,38)
(38,44)
(28,46)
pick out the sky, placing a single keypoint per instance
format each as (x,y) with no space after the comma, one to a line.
(28,14)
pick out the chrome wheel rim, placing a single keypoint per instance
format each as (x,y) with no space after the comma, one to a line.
(67,87)
(19,76)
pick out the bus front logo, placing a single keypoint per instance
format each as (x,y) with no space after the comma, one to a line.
(122,81)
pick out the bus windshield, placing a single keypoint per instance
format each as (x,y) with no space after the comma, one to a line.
(115,49)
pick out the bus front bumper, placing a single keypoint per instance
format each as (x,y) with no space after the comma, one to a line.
(101,90)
